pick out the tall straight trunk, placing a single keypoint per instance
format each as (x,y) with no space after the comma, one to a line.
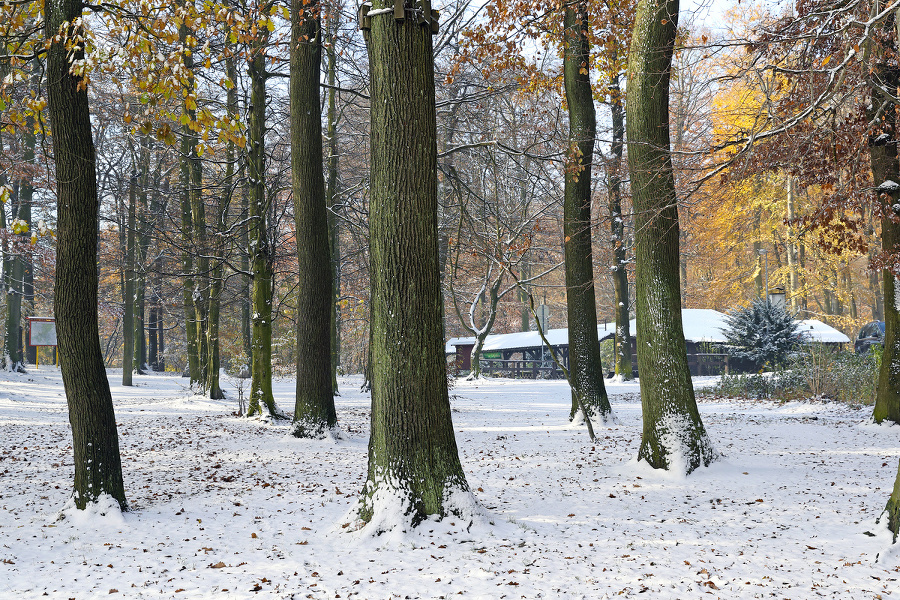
(413,458)
(245,281)
(155,324)
(624,368)
(128,300)
(142,245)
(673,435)
(332,195)
(885,168)
(791,249)
(217,275)
(757,255)
(95,442)
(847,285)
(216,280)
(201,278)
(584,346)
(188,156)
(15,278)
(152,348)
(314,412)
(26,197)
(4,276)
(261,250)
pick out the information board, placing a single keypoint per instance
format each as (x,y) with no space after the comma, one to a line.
(43,333)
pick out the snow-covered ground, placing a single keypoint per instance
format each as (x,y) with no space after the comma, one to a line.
(223,507)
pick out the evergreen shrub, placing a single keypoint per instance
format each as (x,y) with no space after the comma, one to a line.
(762,333)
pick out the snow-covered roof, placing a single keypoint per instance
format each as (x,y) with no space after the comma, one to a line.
(814,330)
(700,325)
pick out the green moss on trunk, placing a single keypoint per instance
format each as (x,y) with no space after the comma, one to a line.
(314,412)
(584,347)
(673,434)
(412,448)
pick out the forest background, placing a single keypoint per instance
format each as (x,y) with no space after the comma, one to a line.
(783,209)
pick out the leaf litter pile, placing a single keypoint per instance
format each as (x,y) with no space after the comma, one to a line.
(225,507)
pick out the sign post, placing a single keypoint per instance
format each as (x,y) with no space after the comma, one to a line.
(41,332)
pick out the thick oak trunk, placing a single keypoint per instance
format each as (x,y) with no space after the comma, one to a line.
(314,412)
(885,168)
(98,466)
(624,369)
(261,250)
(584,347)
(413,456)
(673,435)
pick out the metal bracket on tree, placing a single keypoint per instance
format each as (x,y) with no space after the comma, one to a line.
(421,12)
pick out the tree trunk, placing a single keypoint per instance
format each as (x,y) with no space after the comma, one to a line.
(791,250)
(887,395)
(314,412)
(217,274)
(98,466)
(893,508)
(331,195)
(584,346)
(624,369)
(413,458)
(187,158)
(246,281)
(673,436)
(155,324)
(4,277)
(15,288)
(261,250)
(128,300)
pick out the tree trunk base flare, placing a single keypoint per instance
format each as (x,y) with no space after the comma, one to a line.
(677,442)
(316,429)
(673,436)
(391,505)
(585,368)
(103,505)
(414,472)
(892,510)
(15,367)
(607,419)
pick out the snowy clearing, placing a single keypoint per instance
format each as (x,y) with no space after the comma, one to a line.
(223,507)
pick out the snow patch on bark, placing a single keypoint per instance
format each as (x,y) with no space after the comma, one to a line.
(311,429)
(884,538)
(105,508)
(674,434)
(597,418)
(394,518)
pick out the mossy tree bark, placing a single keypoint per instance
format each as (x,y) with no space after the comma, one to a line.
(412,448)
(262,254)
(885,168)
(189,178)
(140,263)
(584,346)
(314,412)
(217,274)
(892,510)
(128,299)
(98,466)
(20,276)
(624,368)
(14,287)
(673,434)
(331,195)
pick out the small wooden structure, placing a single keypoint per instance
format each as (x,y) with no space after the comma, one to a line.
(523,355)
